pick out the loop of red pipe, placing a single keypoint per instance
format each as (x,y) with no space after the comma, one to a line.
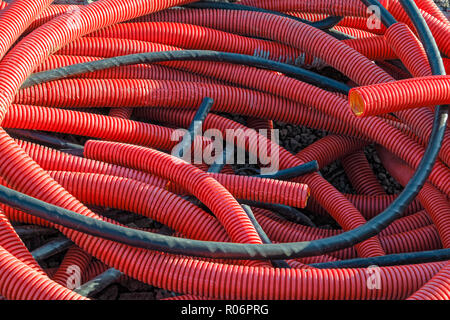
(18,281)
(94,125)
(12,243)
(438,288)
(407,46)
(152,202)
(360,174)
(356,288)
(374,48)
(71,269)
(377,129)
(116,192)
(416,120)
(195,37)
(324,193)
(226,209)
(369,125)
(433,201)
(439,29)
(430,7)
(53,160)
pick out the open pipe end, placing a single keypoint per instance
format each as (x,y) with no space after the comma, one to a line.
(357,104)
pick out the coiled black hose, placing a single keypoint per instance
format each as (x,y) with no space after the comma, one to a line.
(186,55)
(388,260)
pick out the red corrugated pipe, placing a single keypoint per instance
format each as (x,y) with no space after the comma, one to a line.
(399,95)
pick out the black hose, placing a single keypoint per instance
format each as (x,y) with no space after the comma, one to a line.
(338,34)
(440,117)
(152,241)
(31,231)
(285,212)
(193,130)
(51,248)
(389,260)
(99,283)
(386,17)
(264,238)
(186,55)
(293,172)
(327,23)
(323,24)
(46,139)
(220,161)
(174,245)
(425,36)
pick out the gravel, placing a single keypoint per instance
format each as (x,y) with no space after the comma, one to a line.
(443,4)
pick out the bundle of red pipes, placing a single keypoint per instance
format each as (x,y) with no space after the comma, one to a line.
(127,164)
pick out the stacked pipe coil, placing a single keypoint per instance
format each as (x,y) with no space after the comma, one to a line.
(120,78)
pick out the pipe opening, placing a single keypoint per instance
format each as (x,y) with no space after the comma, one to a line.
(356,103)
